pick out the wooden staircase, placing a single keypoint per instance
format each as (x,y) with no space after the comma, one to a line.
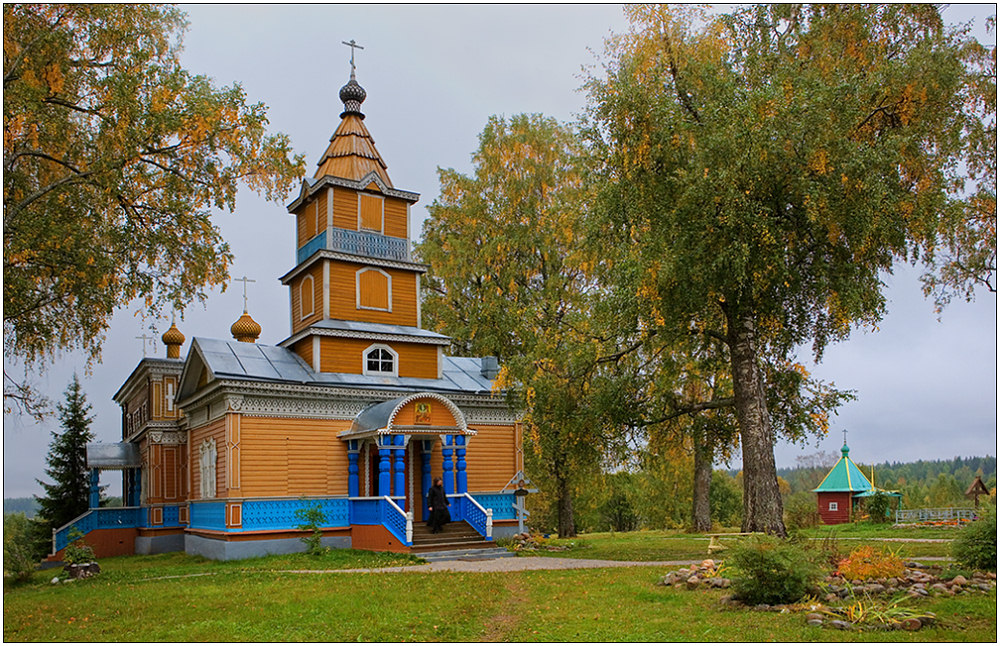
(456,535)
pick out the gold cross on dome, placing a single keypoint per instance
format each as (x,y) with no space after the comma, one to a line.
(353,45)
(244,280)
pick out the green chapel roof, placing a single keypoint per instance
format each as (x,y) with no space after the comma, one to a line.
(845,476)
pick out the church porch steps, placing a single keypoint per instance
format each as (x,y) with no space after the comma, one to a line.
(456,535)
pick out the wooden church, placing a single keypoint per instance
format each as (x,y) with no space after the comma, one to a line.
(841,494)
(354,413)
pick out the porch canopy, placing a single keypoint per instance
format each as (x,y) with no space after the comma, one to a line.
(396,417)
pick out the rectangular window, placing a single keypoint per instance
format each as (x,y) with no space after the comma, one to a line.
(370,210)
(833,506)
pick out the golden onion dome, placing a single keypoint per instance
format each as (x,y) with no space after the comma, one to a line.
(173,339)
(245,329)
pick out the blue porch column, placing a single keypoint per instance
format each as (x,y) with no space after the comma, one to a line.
(426,478)
(353,486)
(461,478)
(384,479)
(399,486)
(447,465)
(95,489)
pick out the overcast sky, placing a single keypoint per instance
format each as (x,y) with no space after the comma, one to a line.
(926,387)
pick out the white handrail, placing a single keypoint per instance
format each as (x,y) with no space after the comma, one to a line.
(408,515)
(487,512)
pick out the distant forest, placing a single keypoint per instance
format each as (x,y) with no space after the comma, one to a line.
(925,483)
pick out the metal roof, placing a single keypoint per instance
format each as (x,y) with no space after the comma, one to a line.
(845,476)
(259,362)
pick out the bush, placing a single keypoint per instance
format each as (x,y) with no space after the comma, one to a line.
(19,557)
(976,546)
(878,506)
(770,570)
(801,510)
(870,562)
(77,551)
(312,518)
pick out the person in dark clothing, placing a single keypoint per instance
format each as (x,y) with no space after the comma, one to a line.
(437,503)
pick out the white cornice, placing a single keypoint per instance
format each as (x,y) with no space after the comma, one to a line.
(358,334)
(366,261)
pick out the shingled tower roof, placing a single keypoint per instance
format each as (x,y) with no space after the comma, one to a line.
(352,153)
(845,476)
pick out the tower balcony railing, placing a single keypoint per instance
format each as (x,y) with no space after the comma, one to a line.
(359,243)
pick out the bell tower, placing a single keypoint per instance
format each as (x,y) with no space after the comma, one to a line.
(354,290)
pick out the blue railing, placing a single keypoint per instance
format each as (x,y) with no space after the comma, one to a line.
(280,514)
(208,515)
(464,507)
(502,504)
(311,247)
(380,511)
(103,518)
(363,243)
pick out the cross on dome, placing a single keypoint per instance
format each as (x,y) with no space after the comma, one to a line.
(244,280)
(353,45)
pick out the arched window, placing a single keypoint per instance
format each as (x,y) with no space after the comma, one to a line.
(381,360)
(207,463)
(307,292)
(374,289)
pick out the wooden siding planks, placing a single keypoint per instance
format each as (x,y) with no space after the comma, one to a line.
(396,224)
(197,436)
(344,301)
(491,457)
(293,457)
(345,208)
(346,355)
(439,414)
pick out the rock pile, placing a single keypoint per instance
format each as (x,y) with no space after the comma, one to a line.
(705,575)
(528,542)
(914,582)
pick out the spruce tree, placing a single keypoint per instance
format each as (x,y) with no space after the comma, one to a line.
(68,496)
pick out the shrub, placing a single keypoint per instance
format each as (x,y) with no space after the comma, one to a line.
(878,506)
(19,559)
(801,510)
(312,518)
(77,551)
(976,546)
(870,562)
(771,570)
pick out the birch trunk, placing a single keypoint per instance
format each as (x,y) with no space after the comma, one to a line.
(701,512)
(762,509)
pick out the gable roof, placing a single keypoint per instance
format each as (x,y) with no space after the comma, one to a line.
(845,476)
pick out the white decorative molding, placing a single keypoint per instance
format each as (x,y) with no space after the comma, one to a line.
(360,334)
(167,437)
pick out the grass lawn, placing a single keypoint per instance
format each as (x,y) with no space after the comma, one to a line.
(174,597)
(232,603)
(675,545)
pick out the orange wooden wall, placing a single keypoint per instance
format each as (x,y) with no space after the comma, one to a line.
(440,415)
(292,457)
(196,437)
(343,296)
(316,273)
(491,457)
(346,355)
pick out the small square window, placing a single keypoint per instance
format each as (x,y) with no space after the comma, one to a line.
(833,506)
(380,360)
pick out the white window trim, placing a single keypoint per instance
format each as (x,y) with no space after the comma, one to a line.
(381,219)
(208,458)
(312,290)
(833,507)
(170,395)
(379,346)
(357,290)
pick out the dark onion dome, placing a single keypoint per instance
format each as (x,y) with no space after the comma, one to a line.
(353,95)
(245,329)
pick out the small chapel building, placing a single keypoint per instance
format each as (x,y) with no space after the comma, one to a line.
(842,492)
(354,412)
